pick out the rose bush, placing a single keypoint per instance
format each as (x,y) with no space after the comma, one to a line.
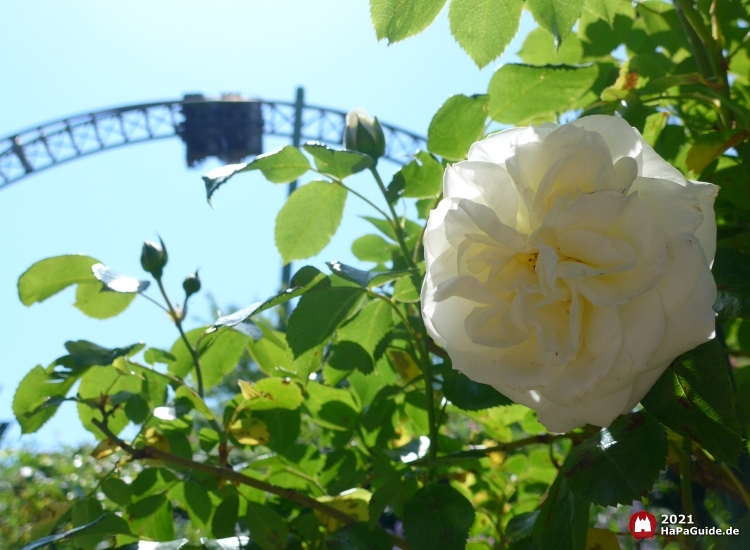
(567,266)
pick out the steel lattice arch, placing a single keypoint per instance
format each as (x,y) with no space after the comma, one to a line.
(192,118)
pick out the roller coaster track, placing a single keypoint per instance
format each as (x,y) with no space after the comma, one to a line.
(45,146)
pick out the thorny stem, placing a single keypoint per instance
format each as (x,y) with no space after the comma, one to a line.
(228,474)
(713,48)
(394,221)
(686,482)
(368,201)
(178,323)
(502,448)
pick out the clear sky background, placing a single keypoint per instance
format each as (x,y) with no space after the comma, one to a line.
(65,58)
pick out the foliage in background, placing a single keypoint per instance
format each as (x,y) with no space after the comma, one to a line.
(347,427)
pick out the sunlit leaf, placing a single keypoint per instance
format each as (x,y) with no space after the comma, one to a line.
(308,220)
(484,28)
(317,315)
(519,93)
(337,163)
(399,19)
(556,16)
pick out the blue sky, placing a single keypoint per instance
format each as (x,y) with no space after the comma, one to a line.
(64,58)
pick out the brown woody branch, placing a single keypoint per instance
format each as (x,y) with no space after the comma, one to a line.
(228,474)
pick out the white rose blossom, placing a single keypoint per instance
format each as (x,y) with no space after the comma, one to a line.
(567,266)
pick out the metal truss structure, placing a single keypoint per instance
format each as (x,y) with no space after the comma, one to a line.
(41,147)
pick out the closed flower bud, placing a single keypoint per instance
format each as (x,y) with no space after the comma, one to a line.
(154,257)
(363,133)
(191,284)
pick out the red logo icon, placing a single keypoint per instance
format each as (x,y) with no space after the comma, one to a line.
(642,525)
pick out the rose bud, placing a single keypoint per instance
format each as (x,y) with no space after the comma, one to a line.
(154,258)
(364,134)
(191,284)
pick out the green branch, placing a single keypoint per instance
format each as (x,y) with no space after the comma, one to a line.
(476,454)
(397,229)
(178,323)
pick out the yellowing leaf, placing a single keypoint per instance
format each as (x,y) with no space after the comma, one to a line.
(250,431)
(353,503)
(271,393)
(248,390)
(104,449)
(404,364)
(601,539)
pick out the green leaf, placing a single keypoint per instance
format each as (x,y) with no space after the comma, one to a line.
(306,279)
(369,326)
(692,398)
(86,354)
(271,393)
(634,74)
(411,228)
(519,93)
(116,490)
(197,500)
(49,276)
(104,381)
(521,526)
(96,302)
(271,353)
(267,527)
(156,355)
(437,516)
(422,177)
(602,469)
(188,394)
(556,16)
(400,19)
(407,290)
(343,359)
(137,409)
(731,270)
(106,524)
(372,248)
(368,279)
(331,407)
(337,163)
(283,427)
(308,220)
(736,542)
(484,28)
(225,516)
(603,9)
(151,518)
(455,127)
(387,494)
(539,49)
(219,354)
(563,519)
(469,395)
(283,165)
(36,389)
(317,315)
(358,536)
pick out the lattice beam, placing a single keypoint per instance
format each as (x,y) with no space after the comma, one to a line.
(41,147)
